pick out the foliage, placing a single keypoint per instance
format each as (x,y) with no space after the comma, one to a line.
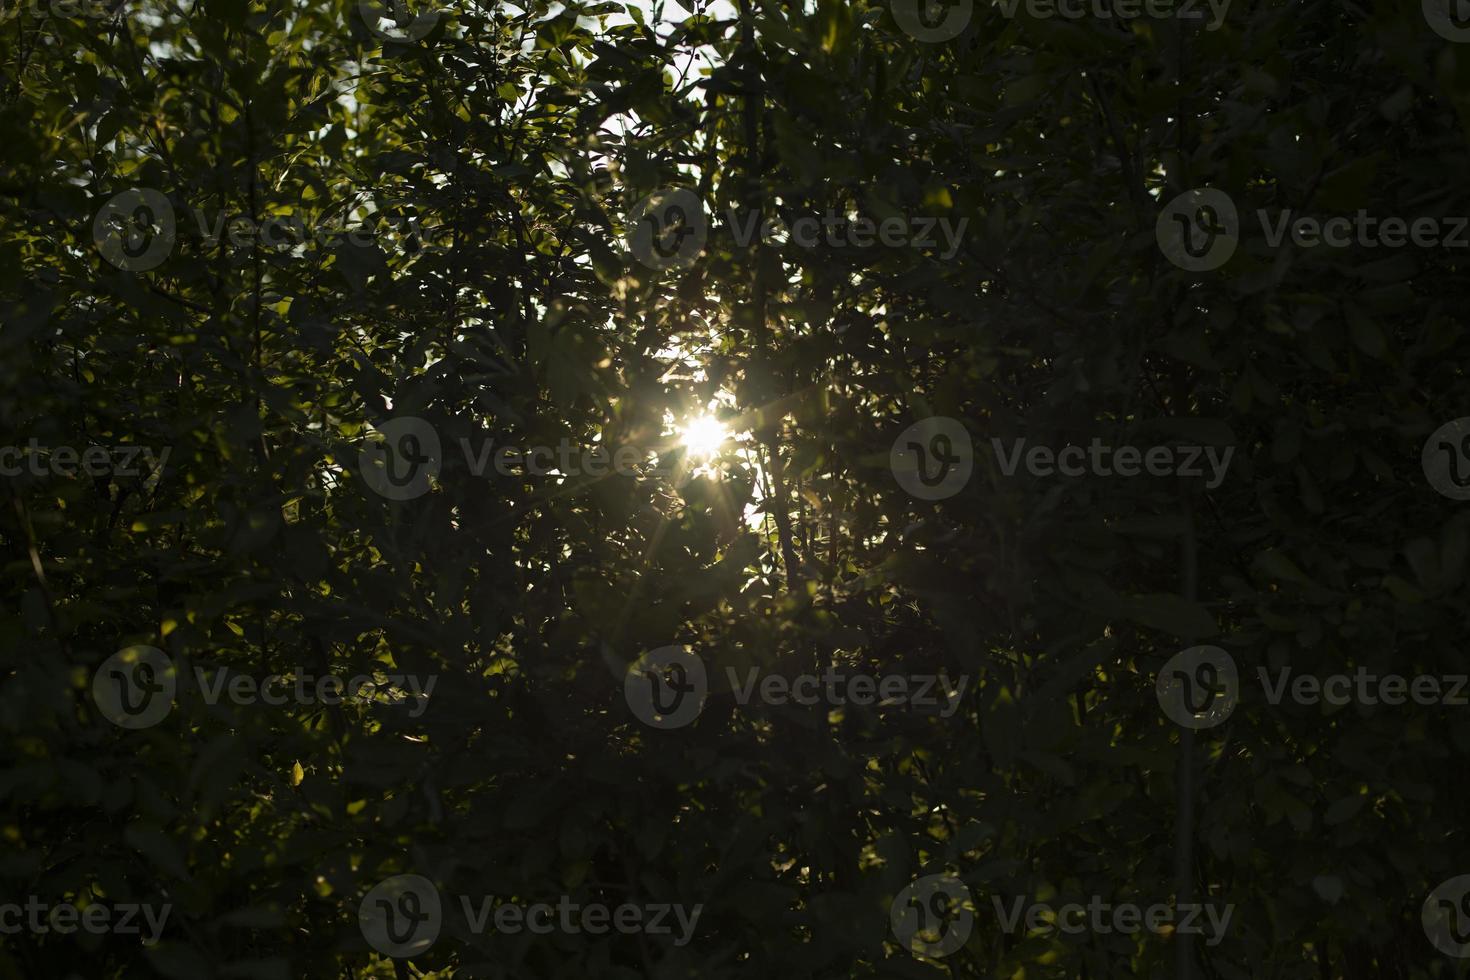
(495,160)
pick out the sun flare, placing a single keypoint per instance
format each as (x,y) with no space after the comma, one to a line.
(703,437)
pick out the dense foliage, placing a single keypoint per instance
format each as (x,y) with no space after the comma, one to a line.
(487,161)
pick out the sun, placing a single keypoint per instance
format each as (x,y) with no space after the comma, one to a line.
(703,437)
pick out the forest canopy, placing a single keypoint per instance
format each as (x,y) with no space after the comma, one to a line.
(822,489)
